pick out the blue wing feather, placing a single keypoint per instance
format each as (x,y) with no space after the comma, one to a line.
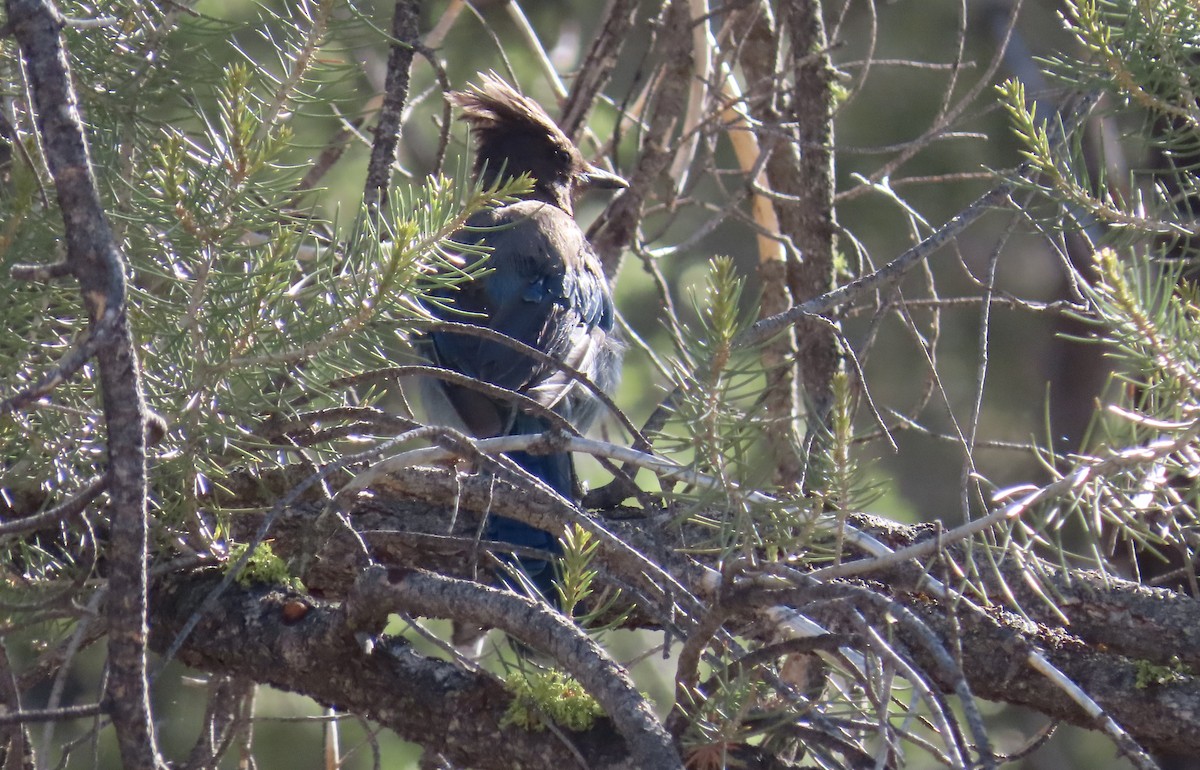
(546,290)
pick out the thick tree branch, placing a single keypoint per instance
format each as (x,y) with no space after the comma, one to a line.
(299,644)
(1116,632)
(993,646)
(1116,628)
(800,168)
(1119,616)
(428,594)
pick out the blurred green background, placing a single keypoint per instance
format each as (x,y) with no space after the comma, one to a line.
(895,58)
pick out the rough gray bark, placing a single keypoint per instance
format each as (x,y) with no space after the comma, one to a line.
(405,16)
(300,644)
(1115,628)
(96,262)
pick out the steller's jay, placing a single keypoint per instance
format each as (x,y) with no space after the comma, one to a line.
(545,288)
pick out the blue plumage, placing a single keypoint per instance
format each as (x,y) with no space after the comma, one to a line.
(545,288)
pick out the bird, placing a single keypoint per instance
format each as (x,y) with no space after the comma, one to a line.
(544,287)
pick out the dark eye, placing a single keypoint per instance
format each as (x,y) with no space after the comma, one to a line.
(563,157)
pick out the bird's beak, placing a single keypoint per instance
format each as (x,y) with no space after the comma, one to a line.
(594,176)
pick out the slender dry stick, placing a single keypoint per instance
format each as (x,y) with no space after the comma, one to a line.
(15,741)
(621,219)
(34,716)
(945,118)
(387,131)
(526,31)
(67,367)
(98,265)
(450,15)
(597,66)
(882,278)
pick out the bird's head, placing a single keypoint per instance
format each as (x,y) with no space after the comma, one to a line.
(515,136)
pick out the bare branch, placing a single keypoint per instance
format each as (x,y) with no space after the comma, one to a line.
(616,227)
(304,645)
(379,591)
(98,264)
(405,17)
(597,65)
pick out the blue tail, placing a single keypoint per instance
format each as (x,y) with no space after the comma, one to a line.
(558,474)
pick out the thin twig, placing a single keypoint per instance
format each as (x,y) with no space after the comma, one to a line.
(405,17)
